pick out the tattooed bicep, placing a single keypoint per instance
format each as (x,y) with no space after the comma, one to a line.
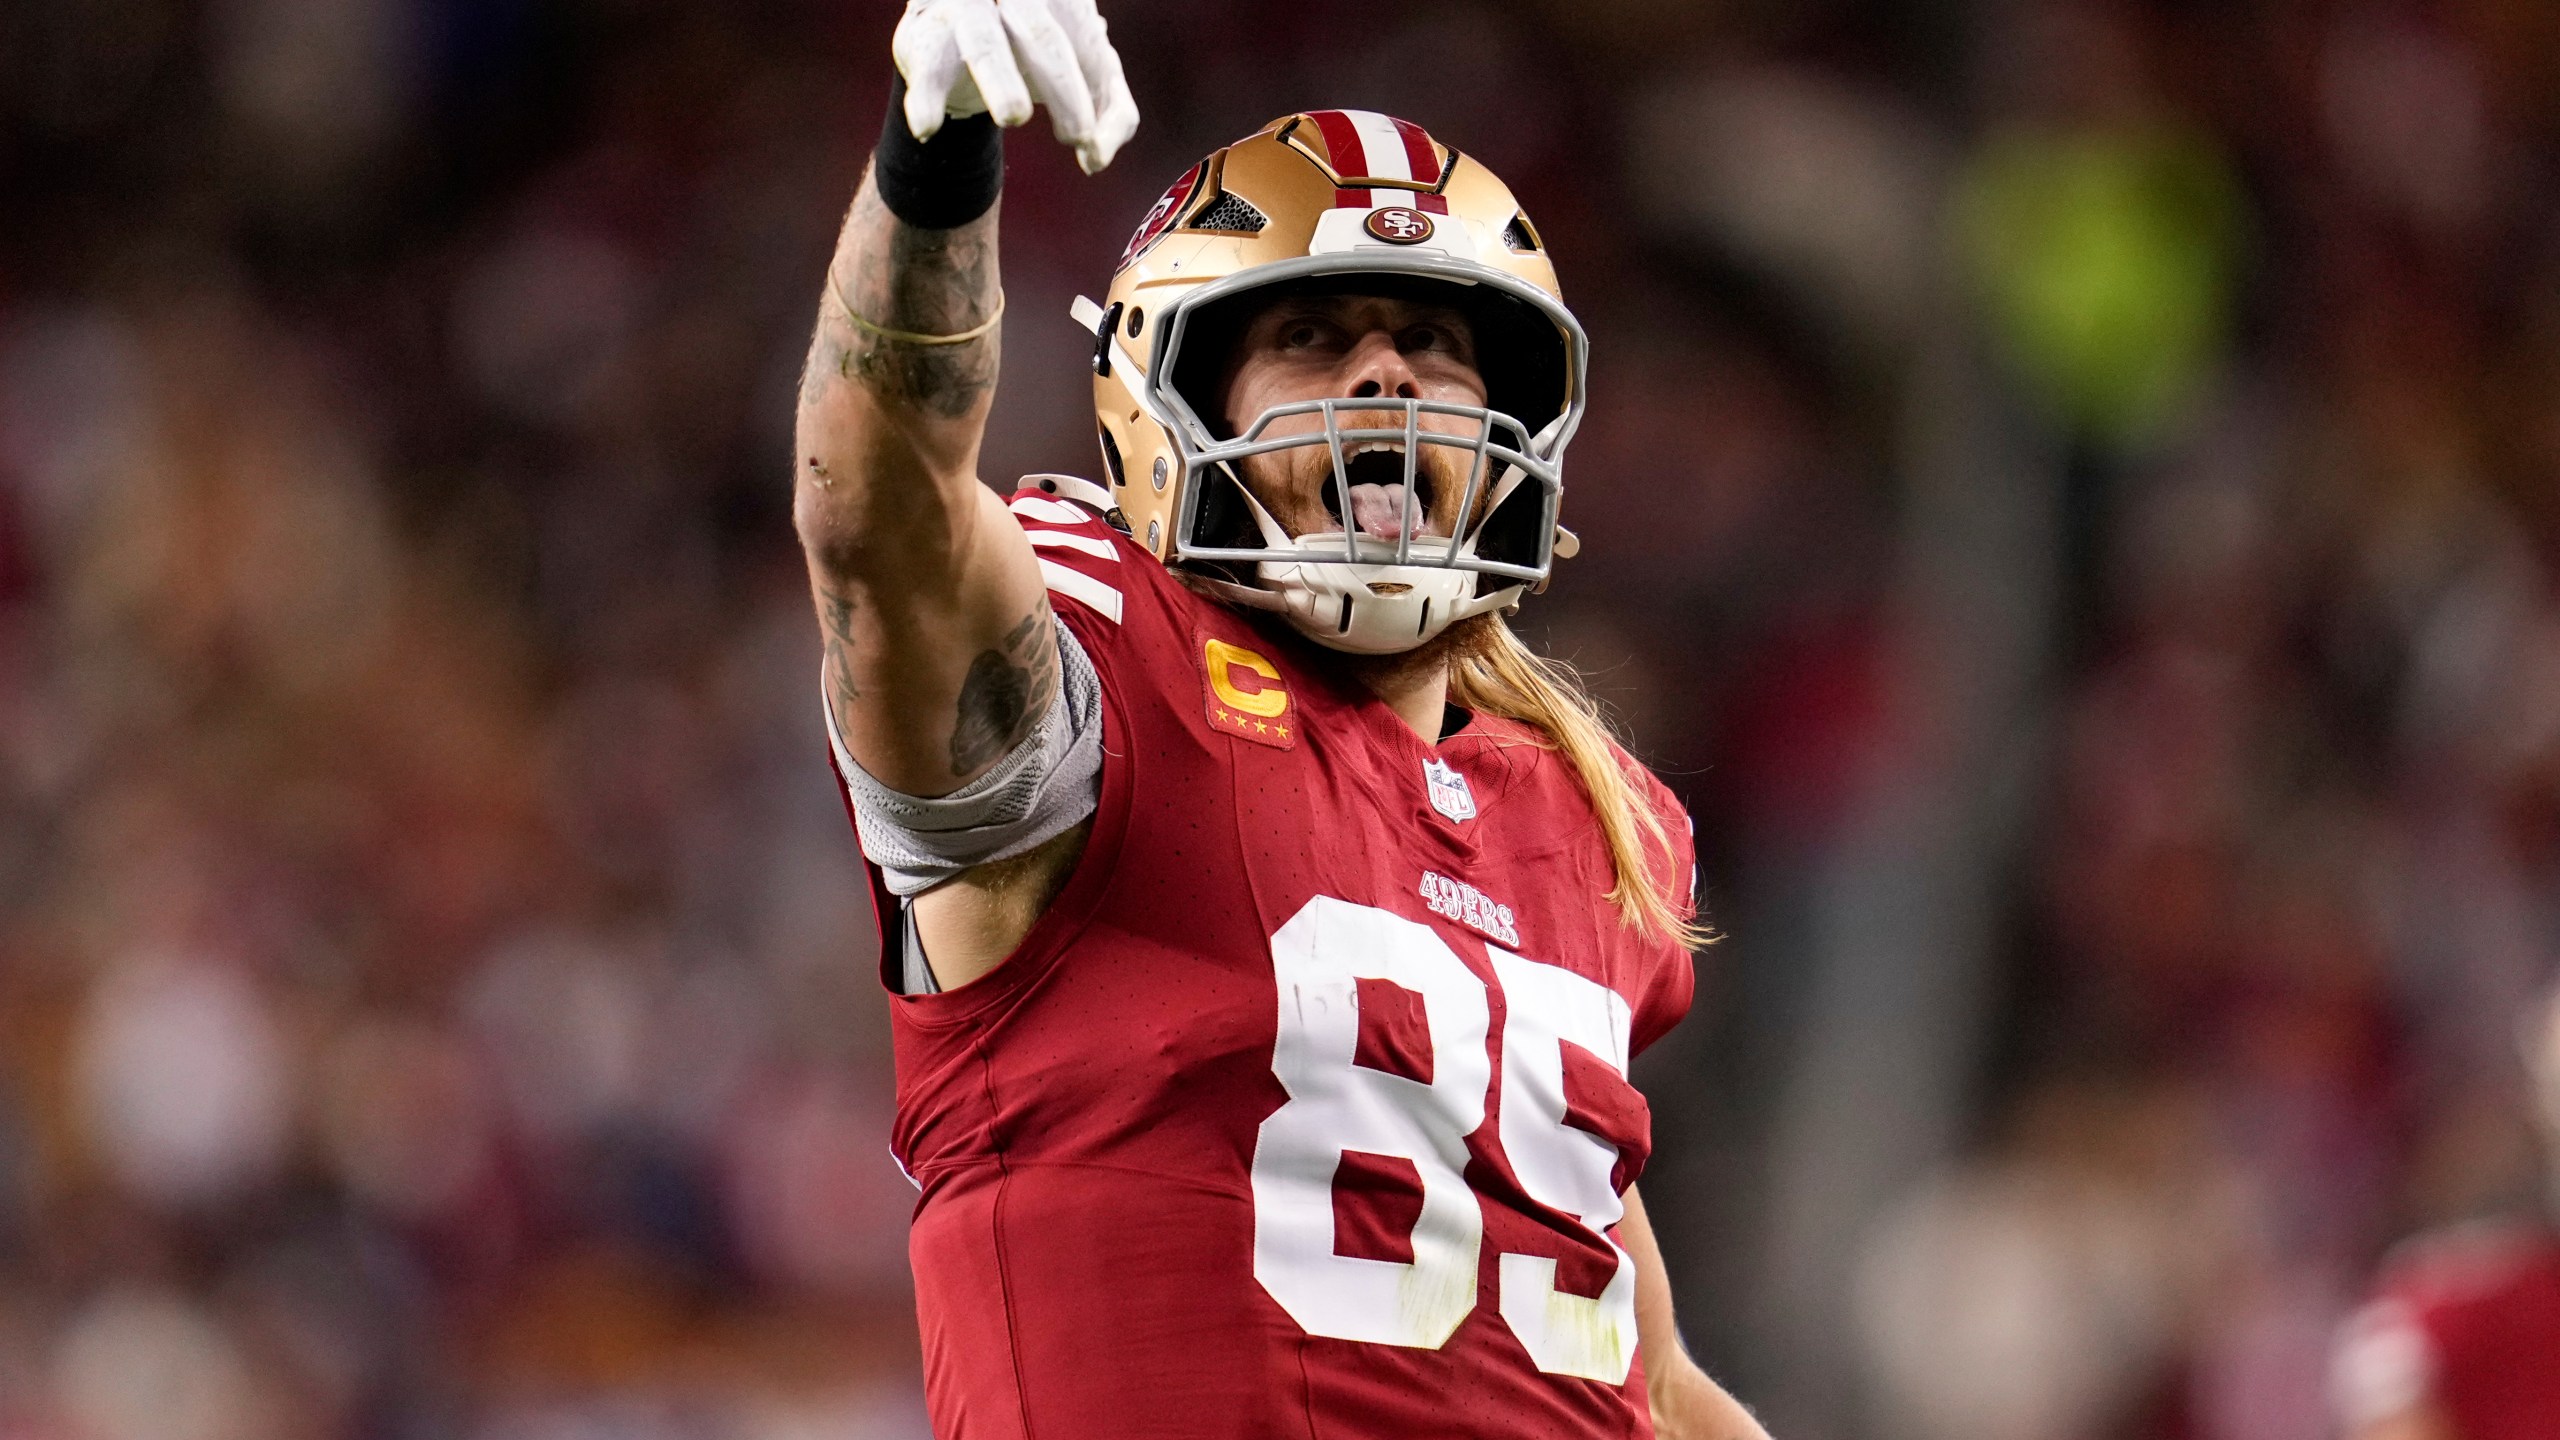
(1005,692)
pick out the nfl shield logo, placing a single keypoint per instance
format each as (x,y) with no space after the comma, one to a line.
(1449,793)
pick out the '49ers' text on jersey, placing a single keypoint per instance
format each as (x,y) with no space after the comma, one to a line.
(1303,1110)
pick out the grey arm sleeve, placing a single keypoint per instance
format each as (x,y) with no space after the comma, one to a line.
(1040,789)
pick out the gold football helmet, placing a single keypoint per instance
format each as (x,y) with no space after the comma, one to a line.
(1338,201)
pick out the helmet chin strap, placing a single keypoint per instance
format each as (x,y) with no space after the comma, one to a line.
(1356,608)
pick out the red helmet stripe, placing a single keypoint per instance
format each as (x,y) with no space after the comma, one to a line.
(1342,144)
(1365,145)
(1421,163)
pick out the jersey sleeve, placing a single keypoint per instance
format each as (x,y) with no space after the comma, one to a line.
(1114,595)
(1670,982)
(1079,554)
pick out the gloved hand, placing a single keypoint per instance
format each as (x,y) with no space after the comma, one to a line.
(962,57)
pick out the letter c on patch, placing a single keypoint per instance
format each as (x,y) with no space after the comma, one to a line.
(1264,697)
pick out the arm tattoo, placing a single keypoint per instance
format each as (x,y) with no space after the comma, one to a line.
(1004,693)
(932,282)
(835,614)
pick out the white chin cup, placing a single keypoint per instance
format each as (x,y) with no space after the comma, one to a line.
(1374,609)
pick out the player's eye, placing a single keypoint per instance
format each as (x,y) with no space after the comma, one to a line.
(1302,334)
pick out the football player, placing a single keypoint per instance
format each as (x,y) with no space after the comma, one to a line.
(2462,1341)
(1270,931)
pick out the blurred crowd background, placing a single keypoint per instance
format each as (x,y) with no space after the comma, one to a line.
(2070,497)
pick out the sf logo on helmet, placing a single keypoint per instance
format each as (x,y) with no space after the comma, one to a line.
(1399,226)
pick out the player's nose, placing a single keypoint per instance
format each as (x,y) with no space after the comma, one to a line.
(1377,368)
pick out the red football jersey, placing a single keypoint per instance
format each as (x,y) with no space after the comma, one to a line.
(2468,1324)
(1303,1110)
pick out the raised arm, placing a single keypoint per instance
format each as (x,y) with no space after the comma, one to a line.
(939,649)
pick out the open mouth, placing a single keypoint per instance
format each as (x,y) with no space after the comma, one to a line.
(1373,474)
(1375,462)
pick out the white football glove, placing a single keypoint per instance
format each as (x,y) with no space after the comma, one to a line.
(962,57)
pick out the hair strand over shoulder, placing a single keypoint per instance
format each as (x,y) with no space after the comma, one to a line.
(1499,675)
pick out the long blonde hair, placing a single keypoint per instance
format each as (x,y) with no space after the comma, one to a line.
(1493,673)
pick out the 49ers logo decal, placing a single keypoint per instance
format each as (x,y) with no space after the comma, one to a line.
(1160,218)
(1398,225)
(1246,697)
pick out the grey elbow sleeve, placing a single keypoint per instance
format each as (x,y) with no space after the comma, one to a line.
(1042,787)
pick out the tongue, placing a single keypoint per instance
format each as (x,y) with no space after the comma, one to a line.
(1379,510)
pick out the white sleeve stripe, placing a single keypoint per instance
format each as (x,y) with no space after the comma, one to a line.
(1076,585)
(1066,540)
(1057,512)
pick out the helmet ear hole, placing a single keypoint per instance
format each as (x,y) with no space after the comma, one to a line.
(1111,457)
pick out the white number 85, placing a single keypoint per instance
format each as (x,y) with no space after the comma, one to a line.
(1319,957)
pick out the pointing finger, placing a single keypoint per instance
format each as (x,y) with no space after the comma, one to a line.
(1048,56)
(989,56)
(1116,111)
(930,62)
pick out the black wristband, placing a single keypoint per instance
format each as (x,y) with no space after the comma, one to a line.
(941,183)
